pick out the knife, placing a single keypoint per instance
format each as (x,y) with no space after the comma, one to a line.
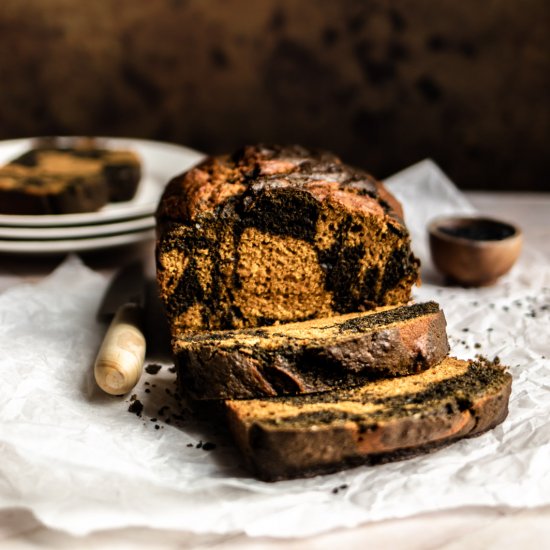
(119,362)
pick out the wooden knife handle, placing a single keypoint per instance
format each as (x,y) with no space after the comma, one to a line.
(119,362)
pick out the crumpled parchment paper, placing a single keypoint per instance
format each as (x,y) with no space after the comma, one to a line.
(80,461)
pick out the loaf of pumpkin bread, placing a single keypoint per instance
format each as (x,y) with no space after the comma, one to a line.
(383,420)
(273,235)
(311,356)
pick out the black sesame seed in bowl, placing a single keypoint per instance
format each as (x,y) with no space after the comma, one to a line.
(474,251)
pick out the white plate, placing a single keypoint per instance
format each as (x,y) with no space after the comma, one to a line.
(65,246)
(76,231)
(160,162)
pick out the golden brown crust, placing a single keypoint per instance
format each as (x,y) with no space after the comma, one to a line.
(200,189)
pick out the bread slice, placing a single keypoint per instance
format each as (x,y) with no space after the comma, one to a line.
(383,420)
(277,235)
(30,190)
(311,356)
(60,180)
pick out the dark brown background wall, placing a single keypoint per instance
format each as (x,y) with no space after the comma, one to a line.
(384,83)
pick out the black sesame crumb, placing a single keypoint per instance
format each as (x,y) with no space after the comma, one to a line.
(153,419)
(344,486)
(465,329)
(190,445)
(490,329)
(133,397)
(152,369)
(147,390)
(146,383)
(136,407)
(335,491)
(477,345)
(208,446)
(172,369)
(157,427)
(198,445)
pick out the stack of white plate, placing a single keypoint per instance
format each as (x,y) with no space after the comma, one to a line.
(115,224)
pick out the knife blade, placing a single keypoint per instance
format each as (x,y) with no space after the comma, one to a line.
(119,362)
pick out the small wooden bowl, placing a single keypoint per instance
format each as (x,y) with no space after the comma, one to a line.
(474,251)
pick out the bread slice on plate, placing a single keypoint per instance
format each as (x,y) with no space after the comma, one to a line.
(54,179)
(30,190)
(289,437)
(311,356)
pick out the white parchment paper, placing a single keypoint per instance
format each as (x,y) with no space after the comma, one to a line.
(80,461)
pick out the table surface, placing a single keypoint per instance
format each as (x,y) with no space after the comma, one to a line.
(470,527)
